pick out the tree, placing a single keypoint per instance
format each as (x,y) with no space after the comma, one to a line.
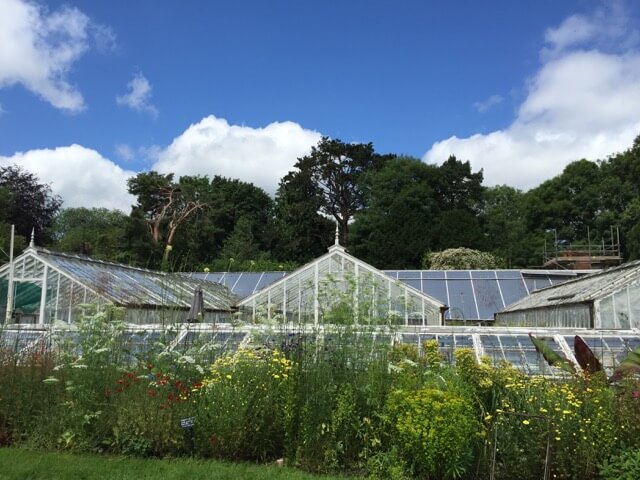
(98,232)
(569,203)
(504,226)
(462,259)
(335,168)
(457,187)
(397,224)
(302,232)
(459,195)
(228,200)
(27,203)
(162,205)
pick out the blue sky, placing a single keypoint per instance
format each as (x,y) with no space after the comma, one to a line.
(92,92)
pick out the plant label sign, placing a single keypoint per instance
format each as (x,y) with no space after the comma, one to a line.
(188,422)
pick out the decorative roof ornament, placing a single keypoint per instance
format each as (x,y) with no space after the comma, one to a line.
(337,240)
(32,243)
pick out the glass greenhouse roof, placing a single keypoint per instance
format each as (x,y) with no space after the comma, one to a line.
(337,286)
(120,284)
(470,294)
(581,290)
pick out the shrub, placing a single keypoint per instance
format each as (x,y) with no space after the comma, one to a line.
(241,406)
(437,431)
(625,466)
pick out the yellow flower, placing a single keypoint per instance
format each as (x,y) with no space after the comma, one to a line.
(525,422)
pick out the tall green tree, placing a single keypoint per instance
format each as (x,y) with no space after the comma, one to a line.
(228,201)
(459,196)
(27,203)
(401,205)
(335,168)
(301,232)
(569,203)
(163,207)
(504,225)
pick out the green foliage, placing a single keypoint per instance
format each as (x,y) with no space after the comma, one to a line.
(242,406)
(625,466)
(302,232)
(334,170)
(27,203)
(461,259)
(92,231)
(551,356)
(397,225)
(437,431)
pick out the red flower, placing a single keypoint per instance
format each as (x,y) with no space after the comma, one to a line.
(635,394)
(196,385)
(152,392)
(130,375)
(119,389)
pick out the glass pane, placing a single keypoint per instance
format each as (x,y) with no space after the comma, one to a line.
(488,298)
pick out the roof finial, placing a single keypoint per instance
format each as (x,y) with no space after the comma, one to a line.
(337,241)
(33,237)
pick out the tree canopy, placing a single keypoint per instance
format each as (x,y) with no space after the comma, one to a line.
(391,210)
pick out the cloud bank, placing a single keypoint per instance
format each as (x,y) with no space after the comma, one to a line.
(80,175)
(582,103)
(261,156)
(38,49)
(85,178)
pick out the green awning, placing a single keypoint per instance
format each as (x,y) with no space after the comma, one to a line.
(26,298)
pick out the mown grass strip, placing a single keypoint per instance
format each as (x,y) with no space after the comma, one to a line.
(19,464)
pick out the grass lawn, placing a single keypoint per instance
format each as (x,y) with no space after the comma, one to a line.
(17,464)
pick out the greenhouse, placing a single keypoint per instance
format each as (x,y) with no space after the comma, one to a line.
(48,286)
(50,291)
(473,296)
(338,287)
(608,299)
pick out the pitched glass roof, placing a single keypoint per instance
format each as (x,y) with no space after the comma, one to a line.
(586,288)
(470,294)
(122,284)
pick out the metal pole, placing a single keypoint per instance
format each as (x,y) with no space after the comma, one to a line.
(9,311)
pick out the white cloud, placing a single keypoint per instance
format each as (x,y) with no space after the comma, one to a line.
(582,103)
(38,49)
(125,152)
(258,155)
(138,97)
(489,103)
(81,176)
(85,178)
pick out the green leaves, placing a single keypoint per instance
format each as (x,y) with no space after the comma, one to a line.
(551,356)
